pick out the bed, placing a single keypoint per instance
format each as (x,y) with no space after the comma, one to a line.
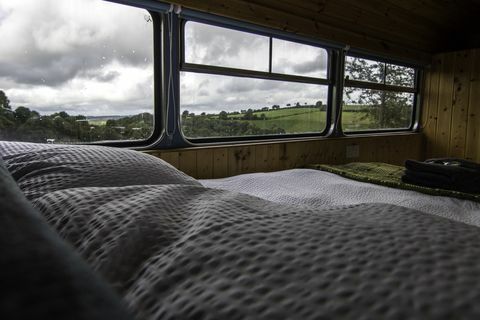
(260,246)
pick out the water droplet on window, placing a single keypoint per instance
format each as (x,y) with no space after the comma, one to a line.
(146,59)
(103,58)
(43,80)
(133,51)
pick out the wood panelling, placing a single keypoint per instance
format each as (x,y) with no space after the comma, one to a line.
(222,161)
(400,28)
(451,113)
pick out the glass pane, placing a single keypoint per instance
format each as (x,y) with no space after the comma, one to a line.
(364,70)
(215,46)
(366,109)
(71,73)
(225,106)
(299,59)
(400,76)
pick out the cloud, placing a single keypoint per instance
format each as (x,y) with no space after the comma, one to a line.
(235,93)
(205,44)
(74,55)
(311,66)
(48,41)
(129,91)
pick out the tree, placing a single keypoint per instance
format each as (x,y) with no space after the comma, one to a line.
(22,114)
(223,115)
(4,101)
(387,109)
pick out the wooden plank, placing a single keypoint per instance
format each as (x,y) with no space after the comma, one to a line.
(333,13)
(266,158)
(461,91)
(241,160)
(426,97)
(431,115)
(472,148)
(170,157)
(336,152)
(315,152)
(292,155)
(442,135)
(277,163)
(220,163)
(187,161)
(204,164)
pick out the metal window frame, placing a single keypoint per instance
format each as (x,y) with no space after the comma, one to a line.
(237,72)
(415,90)
(155,10)
(169,62)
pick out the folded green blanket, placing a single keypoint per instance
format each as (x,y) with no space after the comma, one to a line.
(387,175)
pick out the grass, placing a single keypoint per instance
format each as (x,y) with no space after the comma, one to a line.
(301,120)
(97,122)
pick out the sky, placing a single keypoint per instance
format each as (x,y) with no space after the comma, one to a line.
(80,57)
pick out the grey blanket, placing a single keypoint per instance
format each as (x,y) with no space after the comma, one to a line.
(187,252)
(183,251)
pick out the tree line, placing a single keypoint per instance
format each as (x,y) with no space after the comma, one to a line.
(23,124)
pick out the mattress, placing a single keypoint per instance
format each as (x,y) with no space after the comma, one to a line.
(319,189)
(174,249)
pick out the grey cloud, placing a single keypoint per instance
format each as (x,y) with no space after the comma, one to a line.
(203,93)
(38,68)
(35,62)
(222,43)
(203,84)
(317,64)
(99,76)
(239,85)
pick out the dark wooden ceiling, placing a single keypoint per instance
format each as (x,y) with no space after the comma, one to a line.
(413,29)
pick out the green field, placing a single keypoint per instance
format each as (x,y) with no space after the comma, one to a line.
(300,120)
(285,120)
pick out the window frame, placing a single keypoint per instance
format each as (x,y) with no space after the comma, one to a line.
(155,10)
(415,90)
(237,72)
(158,26)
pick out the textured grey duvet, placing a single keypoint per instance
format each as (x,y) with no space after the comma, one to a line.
(178,250)
(320,189)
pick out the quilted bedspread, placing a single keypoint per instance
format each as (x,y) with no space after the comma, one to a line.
(183,251)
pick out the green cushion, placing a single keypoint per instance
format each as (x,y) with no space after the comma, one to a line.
(387,175)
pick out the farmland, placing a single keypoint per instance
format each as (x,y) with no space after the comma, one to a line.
(279,121)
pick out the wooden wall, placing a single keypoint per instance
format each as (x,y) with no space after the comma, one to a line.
(451,106)
(223,161)
(374,25)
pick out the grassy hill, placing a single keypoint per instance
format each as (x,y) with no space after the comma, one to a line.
(289,120)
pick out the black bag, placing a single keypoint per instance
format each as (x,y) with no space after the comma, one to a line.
(444,173)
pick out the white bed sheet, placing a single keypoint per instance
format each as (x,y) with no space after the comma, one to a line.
(319,189)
